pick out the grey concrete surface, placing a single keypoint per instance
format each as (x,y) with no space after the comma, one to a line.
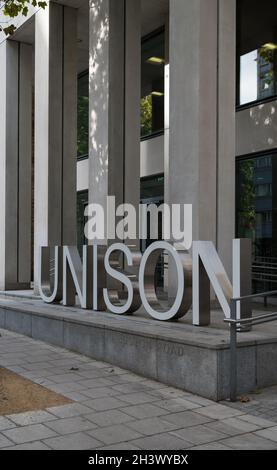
(175,353)
(141,414)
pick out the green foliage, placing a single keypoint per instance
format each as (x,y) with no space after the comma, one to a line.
(247,197)
(83,120)
(13,8)
(146,114)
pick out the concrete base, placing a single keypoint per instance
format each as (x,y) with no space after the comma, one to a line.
(177,354)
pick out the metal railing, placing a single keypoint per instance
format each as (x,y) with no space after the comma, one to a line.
(264,274)
(234,322)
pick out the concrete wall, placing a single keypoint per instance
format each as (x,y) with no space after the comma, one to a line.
(114,88)
(152,156)
(15,161)
(55,128)
(82,175)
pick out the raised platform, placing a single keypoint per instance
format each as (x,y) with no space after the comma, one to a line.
(178,354)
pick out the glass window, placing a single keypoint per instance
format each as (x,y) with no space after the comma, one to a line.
(82,202)
(257,50)
(257,216)
(83,115)
(152,192)
(152,84)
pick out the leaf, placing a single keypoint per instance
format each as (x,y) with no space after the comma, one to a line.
(244,399)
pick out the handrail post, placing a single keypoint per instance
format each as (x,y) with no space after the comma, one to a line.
(233,352)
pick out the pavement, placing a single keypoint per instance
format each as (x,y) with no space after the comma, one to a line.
(114,409)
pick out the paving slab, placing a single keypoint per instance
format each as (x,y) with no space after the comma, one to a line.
(269,433)
(107,418)
(77,441)
(199,434)
(249,442)
(114,434)
(34,432)
(165,441)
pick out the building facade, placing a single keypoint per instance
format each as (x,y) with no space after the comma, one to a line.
(145,100)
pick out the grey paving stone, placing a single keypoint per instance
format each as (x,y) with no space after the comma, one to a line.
(17,369)
(100,392)
(69,387)
(38,366)
(199,400)
(212,446)
(218,411)
(71,425)
(186,419)
(105,403)
(65,378)
(75,396)
(108,418)
(164,441)
(146,410)
(262,423)
(38,445)
(114,434)
(34,432)
(94,383)
(126,378)
(232,426)
(78,441)
(177,404)
(269,433)
(154,384)
(5,423)
(31,417)
(5,442)
(69,411)
(132,387)
(120,446)
(249,442)
(169,392)
(199,434)
(152,426)
(137,398)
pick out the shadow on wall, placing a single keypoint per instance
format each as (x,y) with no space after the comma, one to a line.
(99,89)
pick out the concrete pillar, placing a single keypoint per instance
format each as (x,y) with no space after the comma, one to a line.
(201,166)
(55,128)
(15,164)
(114,69)
(226,130)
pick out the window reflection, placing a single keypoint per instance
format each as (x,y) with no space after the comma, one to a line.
(83,115)
(152,84)
(257,50)
(257,216)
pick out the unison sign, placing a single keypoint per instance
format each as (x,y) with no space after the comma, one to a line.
(120,279)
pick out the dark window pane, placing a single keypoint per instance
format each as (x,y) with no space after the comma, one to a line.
(152,192)
(82,202)
(152,84)
(257,50)
(257,216)
(83,117)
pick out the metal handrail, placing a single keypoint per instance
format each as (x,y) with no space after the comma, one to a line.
(250,321)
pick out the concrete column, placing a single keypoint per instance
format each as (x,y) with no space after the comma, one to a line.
(201,164)
(226,130)
(15,164)
(114,65)
(55,128)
